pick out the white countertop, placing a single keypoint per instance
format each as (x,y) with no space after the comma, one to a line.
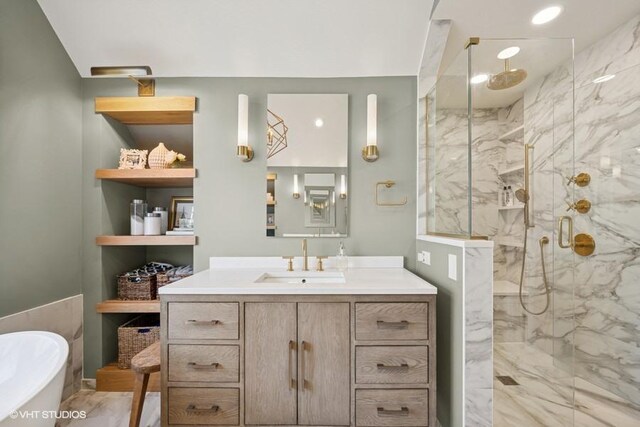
(358,281)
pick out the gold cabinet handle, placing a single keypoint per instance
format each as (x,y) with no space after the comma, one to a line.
(402,412)
(212,366)
(304,346)
(402,366)
(203,322)
(293,348)
(195,410)
(382,324)
(561,232)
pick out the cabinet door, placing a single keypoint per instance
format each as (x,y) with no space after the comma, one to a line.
(270,363)
(324,357)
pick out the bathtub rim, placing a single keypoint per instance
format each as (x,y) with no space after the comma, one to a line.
(60,364)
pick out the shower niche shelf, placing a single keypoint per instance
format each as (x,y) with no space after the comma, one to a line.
(509,241)
(512,170)
(513,134)
(510,208)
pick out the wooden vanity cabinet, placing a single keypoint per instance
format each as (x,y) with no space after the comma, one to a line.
(289,360)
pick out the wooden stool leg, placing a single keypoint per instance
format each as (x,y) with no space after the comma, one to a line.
(139,391)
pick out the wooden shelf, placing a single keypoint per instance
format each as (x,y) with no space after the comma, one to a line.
(513,133)
(271,227)
(146,240)
(122,306)
(152,110)
(110,378)
(173,177)
(271,203)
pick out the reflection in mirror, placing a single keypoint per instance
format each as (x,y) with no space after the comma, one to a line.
(307,140)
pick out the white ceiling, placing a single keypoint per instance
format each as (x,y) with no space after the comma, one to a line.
(245,38)
(584,20)
(543,48)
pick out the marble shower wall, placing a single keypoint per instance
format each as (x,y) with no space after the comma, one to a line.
(605,331)
(63,317)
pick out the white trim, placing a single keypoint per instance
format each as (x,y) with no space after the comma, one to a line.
(453,241)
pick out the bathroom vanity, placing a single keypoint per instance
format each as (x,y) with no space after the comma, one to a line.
(249,343)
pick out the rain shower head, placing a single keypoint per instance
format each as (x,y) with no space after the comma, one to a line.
(506,79)
(522,195)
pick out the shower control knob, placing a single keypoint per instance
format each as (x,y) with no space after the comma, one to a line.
(581,180)
(581,206)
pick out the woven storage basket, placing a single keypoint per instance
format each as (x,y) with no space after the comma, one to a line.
(137,287)
(169,277)
(136,335)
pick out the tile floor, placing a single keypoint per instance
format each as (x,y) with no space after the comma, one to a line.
(544,396)
(109,409)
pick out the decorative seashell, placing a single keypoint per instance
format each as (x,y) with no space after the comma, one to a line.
(170,157)
(158,157)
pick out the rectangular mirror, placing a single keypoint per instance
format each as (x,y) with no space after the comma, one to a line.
(307,166)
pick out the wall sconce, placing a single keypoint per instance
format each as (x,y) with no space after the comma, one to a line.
(343,187)
(370,151)
(243,151)
(146,86)
(296,192)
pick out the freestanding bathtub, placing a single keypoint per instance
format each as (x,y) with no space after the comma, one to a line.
(32,369)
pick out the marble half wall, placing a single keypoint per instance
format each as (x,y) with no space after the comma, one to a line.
(63,317)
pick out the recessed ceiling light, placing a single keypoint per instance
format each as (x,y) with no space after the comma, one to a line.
(319,123)
(479,78)
(546,15)
(508,52)
(604,78)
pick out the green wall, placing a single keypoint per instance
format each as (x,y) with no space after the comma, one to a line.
(41,152)
(230,194)
(449,330)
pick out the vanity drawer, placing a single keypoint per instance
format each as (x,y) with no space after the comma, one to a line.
(392,321)
(392,365)
(204,406)
(392,407)
(205,363)
(203,320)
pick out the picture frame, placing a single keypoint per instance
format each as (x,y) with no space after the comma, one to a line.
(133,159)
(181,213)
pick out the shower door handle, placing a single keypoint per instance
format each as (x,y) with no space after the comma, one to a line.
(570,232)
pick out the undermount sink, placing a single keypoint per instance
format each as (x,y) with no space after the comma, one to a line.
(302,277)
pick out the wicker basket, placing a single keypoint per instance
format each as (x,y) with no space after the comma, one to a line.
(169,277)
(137,287)
(136,335)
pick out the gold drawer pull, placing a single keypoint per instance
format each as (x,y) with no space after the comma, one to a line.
(403,324)
(203,322)
(402,366)
(402,412)
(194,365)
(293,348)
(195,410)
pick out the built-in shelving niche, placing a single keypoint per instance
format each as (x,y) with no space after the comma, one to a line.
(142,123)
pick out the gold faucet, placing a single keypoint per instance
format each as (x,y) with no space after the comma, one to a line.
(305,261)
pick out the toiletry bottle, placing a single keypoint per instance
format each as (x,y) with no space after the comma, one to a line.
(342,261)
(503,196)
(509,196)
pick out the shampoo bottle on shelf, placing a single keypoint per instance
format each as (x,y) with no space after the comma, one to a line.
(503,197)
(342,261)
(509,198)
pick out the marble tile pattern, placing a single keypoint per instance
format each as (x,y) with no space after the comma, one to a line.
(546,395)
(109,409)
(601,322)
(63,317)
(478,381)
(509,320)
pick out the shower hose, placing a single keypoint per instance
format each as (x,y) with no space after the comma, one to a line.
(543,241)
